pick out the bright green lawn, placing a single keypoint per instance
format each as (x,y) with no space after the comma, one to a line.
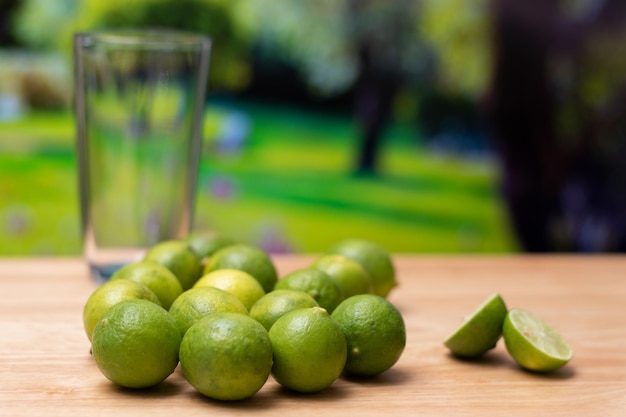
(288,187)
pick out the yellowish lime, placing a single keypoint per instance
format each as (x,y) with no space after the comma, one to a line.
(309,350)
(198,302)
(533,343)
(135,344)
(239,283)
(247,258)
(155,276)
(346,272)
(107,295)
(277,303)
(314,282)
(374,259)
(177,256)
(375,333)
(205,243)
(226,356)
(481,331)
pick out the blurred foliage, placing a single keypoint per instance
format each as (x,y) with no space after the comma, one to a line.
(445,43)
(603,66)
(433,40)
(42,24)
(308,34)
(459,30)
(441,41)
(45,24)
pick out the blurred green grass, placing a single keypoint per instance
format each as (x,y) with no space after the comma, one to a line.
(288,186)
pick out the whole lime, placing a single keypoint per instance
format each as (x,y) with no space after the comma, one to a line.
(205,242)
(198,302)
(226,356)
(239,283)
(177,256)
(135,344)
(309,350)
(314,282)
(347,273)
(374,259)
(107,295)
(277,303)
(247,258)
(375,333)
(155,276)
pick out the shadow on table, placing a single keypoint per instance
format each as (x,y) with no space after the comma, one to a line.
(166,388)
(275,397)
(503,360)
(393,376)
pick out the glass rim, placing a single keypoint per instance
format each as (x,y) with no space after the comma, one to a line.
(144,37)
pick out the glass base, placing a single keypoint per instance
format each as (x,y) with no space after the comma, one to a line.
(103,262)
(103,273)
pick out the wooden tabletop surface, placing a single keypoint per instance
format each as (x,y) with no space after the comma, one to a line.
(46,369)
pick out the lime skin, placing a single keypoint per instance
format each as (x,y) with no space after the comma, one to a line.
(375,334)
(135,344)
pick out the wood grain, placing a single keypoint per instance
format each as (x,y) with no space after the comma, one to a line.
(46,369)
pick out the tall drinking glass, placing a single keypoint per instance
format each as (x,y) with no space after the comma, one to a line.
(139,105)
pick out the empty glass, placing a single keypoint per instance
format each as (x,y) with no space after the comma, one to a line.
(139,105)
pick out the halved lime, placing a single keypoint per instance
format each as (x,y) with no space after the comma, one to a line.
(481,330)
(533,343)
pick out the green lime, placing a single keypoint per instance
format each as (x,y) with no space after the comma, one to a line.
(135,344)
(277,303)
(177,256)
(309,350)
(346,272)
(314,282)
(198,302)
(481,331)
(533,343)
(374,259)
(250,259)
(107,295)
(375,333)
(155,276)
(239,283)
(206,243)
(226,356)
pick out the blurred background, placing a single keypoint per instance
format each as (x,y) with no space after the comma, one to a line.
(430,126)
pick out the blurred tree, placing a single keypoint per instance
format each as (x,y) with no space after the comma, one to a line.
(337,46)
(381,33)
(558,106)
(7,9)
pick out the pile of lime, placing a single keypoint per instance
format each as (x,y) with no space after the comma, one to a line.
(533,343)
(220,310)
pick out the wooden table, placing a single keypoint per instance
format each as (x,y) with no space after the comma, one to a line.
(46,369)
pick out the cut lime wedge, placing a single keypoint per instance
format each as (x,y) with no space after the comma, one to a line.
(533,343)
(481,331)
